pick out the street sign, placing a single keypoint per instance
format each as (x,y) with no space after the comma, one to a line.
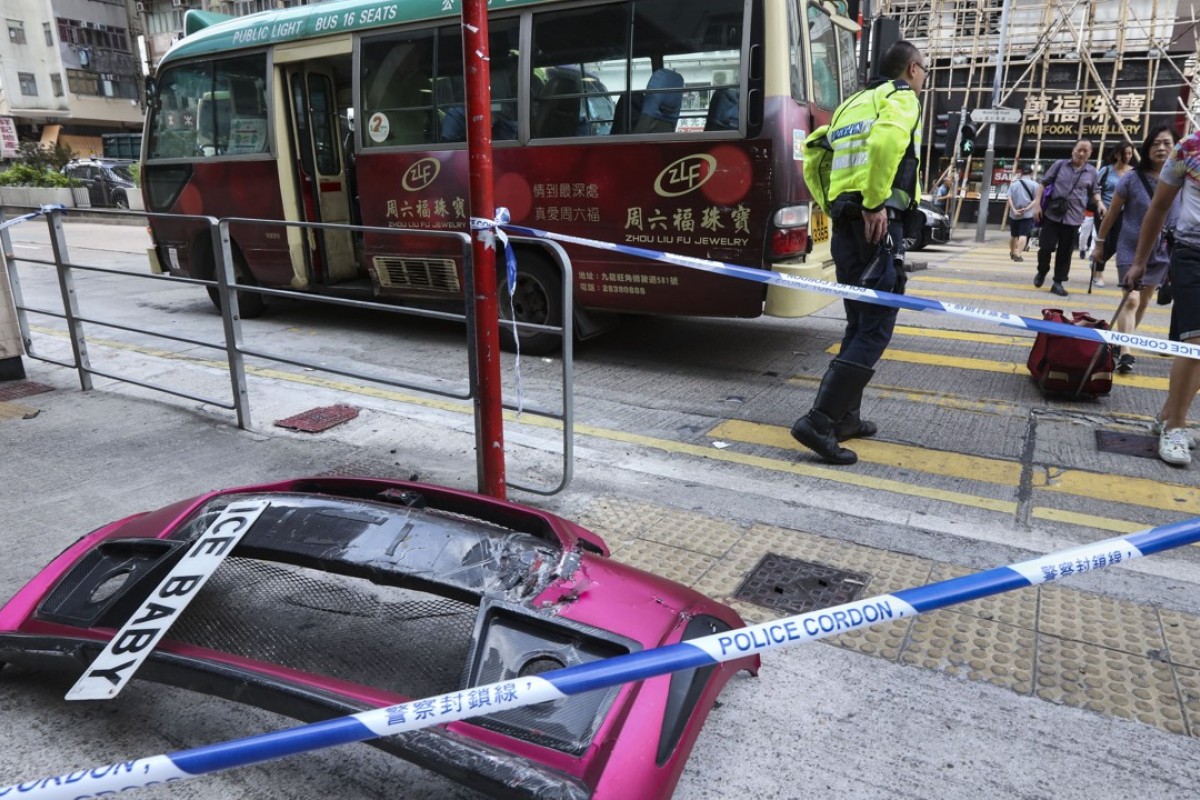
(995,115)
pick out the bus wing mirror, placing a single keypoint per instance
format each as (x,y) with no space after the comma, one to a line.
(151,88)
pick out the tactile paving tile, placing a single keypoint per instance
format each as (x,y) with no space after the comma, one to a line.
(674,563)
(1103,621)
(975,648)
(320,419)
(693,531)
(1182,633)
(883,641)
(1018,608)
(610,515)
(1189,690)
(1108,682)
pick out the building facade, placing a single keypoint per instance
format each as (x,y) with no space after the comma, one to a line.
(1105,70)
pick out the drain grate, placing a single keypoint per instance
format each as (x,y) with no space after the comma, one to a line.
(15,391)
(795,586)
(1127,444)
(319,419)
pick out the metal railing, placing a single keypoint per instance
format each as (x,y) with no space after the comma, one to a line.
(234,347)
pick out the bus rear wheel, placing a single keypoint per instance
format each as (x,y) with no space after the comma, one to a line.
(250,304)
(538,299)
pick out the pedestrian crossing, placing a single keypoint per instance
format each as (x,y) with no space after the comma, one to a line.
(1036,488)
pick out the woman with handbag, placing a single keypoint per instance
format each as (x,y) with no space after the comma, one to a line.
(1059,207)
(1130,202)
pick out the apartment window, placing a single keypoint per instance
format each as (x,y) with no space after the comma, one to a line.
(82,82)
(28,83)
(49,32)
(16,31)
(56,85)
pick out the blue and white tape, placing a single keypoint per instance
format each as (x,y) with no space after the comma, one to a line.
(1136,341)
(488,231)
(705,651)
(8,223)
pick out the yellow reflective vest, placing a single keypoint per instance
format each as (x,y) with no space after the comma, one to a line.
(874,142)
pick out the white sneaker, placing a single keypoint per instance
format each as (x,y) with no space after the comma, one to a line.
(1157,429)
(1098,282)
(1173,447)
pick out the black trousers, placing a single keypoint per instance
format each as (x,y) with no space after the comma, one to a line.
(1059,239)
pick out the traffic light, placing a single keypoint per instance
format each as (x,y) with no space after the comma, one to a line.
(941,132)
(966,140)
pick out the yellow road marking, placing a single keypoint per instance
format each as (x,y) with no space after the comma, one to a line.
(919,459)
(963,336)
(1005,367)
(1120,489)
(943,399)
(16,411)
(1078,483)
(1086,520)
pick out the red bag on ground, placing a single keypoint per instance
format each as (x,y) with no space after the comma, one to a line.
(1066,365)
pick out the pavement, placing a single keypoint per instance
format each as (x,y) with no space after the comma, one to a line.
(1087,689)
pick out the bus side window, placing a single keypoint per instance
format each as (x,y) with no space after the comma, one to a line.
(397,89)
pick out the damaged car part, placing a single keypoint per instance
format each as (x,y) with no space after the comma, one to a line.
(350,594)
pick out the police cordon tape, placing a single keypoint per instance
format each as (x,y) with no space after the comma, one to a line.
(1133,340)
(8,223)
(559,684)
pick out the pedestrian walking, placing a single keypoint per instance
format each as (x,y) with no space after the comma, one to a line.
(1116,167)
(1122,224)
(1067,185)
(1021,194)
(942,195)
(873,187)
(1180,177)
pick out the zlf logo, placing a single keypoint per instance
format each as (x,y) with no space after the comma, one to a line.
(421,174)
(685,175)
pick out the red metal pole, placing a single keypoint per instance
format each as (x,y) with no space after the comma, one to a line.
(489,415)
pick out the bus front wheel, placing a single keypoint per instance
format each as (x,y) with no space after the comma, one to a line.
(250,304)
(537,298)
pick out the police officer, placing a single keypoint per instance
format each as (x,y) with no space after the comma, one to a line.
(875,137)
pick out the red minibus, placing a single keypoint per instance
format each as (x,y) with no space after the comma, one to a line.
(674,125)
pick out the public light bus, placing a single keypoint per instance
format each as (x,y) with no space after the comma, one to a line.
(672,125)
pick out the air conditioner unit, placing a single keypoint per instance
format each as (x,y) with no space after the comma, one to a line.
(178,3)
(140,6)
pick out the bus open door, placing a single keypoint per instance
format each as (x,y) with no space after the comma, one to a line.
(320,169)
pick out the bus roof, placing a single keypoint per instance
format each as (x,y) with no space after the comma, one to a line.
(216,35)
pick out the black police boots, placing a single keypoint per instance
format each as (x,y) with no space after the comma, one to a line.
(835,413)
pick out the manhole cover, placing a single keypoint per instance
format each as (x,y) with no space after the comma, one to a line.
(319,419)
(1127,444)
(16,391)
(795,586)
